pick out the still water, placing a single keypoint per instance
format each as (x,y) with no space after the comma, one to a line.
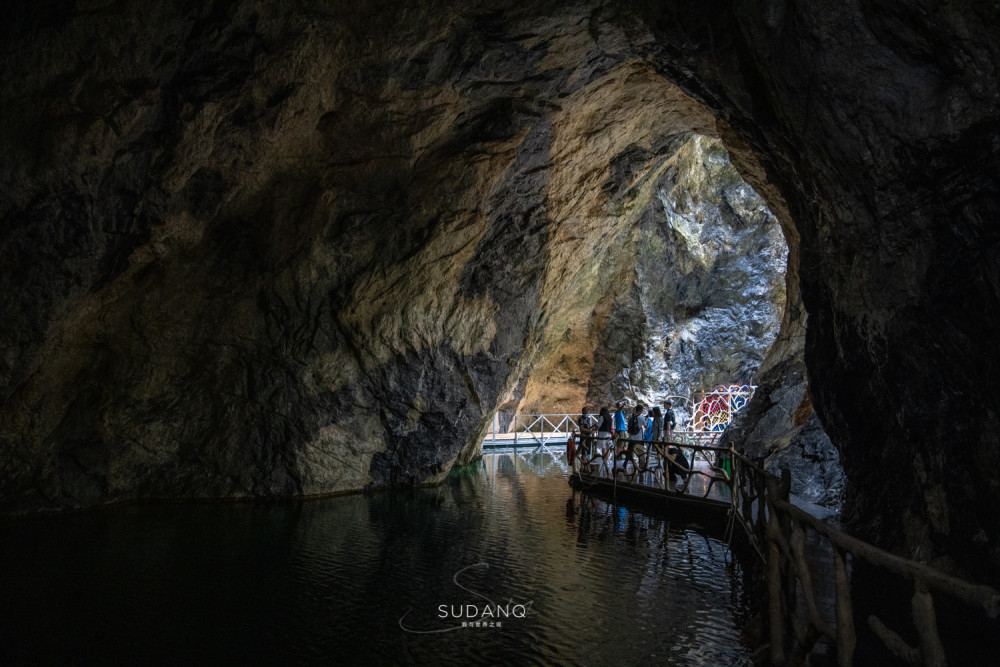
(550,575)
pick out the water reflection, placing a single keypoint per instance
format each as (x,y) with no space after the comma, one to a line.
(387,578)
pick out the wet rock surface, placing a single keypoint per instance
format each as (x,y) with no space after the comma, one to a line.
(265,249)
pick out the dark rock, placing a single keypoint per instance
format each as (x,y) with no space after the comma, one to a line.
(229,230)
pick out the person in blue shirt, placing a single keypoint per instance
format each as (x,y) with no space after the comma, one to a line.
(621,426)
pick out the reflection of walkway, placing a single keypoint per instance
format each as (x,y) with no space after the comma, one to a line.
(538,462)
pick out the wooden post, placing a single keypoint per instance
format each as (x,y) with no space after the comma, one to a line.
(931,649)
(846,636)
(775,597)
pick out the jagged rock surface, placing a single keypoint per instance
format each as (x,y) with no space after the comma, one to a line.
(711,281)
(276,248)
(698,288)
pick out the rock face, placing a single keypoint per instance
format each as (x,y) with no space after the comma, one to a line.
(280,248)
(698,289)
(711,282)
(780,427)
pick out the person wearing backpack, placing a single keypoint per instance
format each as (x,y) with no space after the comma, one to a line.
(636,428)
(636,423)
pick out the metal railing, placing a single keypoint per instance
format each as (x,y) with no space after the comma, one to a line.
(531,430)
(539,429)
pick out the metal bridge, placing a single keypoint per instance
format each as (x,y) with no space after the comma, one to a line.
(536,431)
(531,430)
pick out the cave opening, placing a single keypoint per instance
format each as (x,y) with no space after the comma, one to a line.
(691,298)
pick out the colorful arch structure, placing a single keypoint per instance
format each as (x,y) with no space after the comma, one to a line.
(716,409)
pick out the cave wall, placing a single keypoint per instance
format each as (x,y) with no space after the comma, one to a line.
(689,293)
(878,123)
(274,248)
(256,249)
(709,285)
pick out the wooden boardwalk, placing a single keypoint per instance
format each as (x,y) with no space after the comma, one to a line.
(807,563)
(707,494)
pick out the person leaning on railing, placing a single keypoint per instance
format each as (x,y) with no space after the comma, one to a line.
(677,463)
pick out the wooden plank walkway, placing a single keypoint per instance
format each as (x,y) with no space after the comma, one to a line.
(706,498)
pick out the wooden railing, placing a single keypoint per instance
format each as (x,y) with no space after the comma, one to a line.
(792,636)
(650,463)
(777,530)
(749,490)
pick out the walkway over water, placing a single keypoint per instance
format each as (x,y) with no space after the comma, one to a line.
(808,565)
(534,430)
(682,470)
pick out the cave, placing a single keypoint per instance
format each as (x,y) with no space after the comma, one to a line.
(263,249)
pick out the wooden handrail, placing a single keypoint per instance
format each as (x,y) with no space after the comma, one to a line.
(976,595)
(792,637)
(777,529)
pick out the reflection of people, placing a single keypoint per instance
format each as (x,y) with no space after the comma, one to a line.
(669,420)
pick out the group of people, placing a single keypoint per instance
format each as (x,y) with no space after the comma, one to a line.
(631,424)
(626,431)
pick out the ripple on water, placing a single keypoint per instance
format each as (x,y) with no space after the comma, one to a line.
(337,580)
